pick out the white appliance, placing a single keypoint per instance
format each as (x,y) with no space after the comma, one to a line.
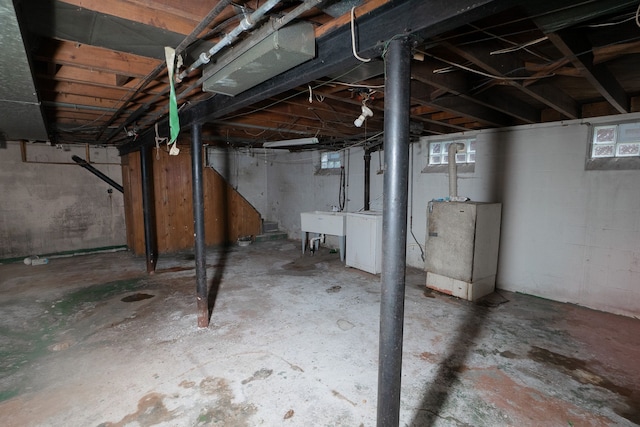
(319,222)
(364,241)
(462,248)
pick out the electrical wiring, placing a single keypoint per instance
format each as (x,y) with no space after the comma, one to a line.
(358,85)
(516,21)
(274,103)
(482,73)
(353,37)
(519,47)
(612,24)
(506,40)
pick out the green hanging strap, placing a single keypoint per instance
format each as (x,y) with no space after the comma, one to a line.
(174,121)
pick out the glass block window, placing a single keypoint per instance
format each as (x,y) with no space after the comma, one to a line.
(331,160)
(439,152)
(621,140)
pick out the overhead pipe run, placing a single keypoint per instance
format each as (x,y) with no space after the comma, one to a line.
(82,162)
(193,36)
(246,24)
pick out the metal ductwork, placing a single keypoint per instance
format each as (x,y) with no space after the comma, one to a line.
(21,114)
(243,68)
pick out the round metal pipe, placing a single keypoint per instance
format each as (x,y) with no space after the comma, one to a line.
(367,179)
(148,210)
(198,226)
(394,229)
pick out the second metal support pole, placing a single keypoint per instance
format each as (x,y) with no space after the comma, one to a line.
(148,210)
(394,229)
(198,226)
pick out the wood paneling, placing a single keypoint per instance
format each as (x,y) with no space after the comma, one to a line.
(228,215)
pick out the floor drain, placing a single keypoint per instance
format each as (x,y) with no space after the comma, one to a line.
(136,297)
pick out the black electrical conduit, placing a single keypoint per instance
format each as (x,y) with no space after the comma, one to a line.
(82,162)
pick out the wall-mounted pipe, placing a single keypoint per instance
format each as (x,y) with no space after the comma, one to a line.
(82,162)
(367,179)
(453,169)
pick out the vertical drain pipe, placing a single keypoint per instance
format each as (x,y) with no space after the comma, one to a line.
(198,226)
(367,179)
(453,170)
(150,241)
(394,229)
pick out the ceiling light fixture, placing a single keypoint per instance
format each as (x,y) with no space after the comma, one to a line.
(290,142)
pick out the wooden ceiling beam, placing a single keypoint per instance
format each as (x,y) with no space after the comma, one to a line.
(169,19)
(506,66)
(95,58)
(456,84)
(578,50)
(458,106)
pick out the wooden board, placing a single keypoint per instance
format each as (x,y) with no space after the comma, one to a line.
(228,215)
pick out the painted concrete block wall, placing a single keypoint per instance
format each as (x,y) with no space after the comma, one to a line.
(50,208)
(295,187)
(568,234)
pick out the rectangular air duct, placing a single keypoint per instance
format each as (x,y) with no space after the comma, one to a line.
(280,51)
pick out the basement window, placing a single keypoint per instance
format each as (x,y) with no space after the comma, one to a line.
(615,146)
(331,160)
(328,162)
(439,152)
(439,156)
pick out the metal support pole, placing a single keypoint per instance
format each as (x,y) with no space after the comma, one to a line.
(394,229)
(367,179)
(150,242)
(198,225)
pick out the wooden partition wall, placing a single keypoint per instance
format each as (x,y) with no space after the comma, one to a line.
(228,215)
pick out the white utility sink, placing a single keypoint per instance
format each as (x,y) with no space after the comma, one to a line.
(320,222)
(333,223)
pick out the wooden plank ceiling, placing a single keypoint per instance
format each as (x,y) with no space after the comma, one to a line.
(100,74)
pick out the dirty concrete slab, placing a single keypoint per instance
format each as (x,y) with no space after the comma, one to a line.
(93,341)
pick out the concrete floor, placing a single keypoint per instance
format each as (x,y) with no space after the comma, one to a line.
(93,341)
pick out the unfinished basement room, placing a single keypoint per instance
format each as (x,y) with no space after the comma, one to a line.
(347,213)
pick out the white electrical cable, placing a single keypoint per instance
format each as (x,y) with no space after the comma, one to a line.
(491,76)
(353,37)
(519,47)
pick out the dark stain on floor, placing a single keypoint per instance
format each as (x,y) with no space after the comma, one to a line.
(136,297)
(223,411)
(151,411)
(581,372)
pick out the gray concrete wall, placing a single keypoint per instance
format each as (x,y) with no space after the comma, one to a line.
(51,208)
(568,234)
